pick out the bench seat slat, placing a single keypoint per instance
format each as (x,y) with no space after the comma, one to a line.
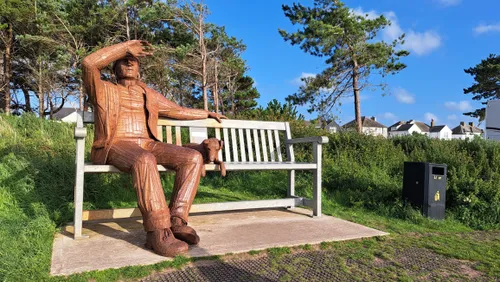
(90,168)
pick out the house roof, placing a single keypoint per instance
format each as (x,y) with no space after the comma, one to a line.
(64,112)
(404,127)
(423,127)
(464,129)
(333,124)
(437,128)
(407,125)
(396,124)
(366,122)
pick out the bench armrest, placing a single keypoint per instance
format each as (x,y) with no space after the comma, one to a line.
(80,132)
(316,139)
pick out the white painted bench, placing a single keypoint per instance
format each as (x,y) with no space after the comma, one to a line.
(248,145)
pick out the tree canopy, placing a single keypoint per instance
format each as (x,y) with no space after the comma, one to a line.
(43,42)
(352,50)
(486,75)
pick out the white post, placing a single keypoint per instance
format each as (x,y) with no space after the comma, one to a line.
(317,150)
(291,158)
(80,133)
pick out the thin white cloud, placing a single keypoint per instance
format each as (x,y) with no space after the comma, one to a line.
(369,14)
(449,3)
(483,28)
(298,80)
(404,96)
(430,116)
(420,43)
(452,117)
(458,106)
(388,116)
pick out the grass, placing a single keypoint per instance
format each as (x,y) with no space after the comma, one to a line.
(36,193)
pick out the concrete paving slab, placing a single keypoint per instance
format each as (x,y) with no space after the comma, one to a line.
(119,243)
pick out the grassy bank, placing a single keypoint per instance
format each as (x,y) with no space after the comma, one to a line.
(362,182)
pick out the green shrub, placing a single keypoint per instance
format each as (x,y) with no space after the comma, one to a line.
(368,171)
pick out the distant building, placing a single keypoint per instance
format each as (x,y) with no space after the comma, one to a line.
(440,132)
(369,126)
(328,125)
(402,128)
(66,115)
(464,131)
(332,127)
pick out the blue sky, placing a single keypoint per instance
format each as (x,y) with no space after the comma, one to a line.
(444,37)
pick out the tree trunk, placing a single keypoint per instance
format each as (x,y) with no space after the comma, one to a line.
(216,90)
(233,106)
(40,91)
(81,96)
(204,83)
(7,70)
(222,108)
(357,107)
(50,105)
(204,73)
(203,51)
(27,101)
(126,20)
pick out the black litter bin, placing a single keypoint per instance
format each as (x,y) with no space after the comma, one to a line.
(424,186)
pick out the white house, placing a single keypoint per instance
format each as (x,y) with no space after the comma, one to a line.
(464,131)
(440,132)
(402,128)
(332,127)
(66,115)
(369,126)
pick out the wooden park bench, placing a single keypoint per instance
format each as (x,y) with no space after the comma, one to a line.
(248,145)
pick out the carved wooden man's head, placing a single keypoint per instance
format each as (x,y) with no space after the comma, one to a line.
(126,68)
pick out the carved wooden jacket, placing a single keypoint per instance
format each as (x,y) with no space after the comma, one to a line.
(105,96)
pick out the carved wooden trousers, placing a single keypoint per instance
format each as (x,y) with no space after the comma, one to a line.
(140,158)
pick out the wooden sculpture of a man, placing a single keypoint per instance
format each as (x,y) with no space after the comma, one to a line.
(126,116)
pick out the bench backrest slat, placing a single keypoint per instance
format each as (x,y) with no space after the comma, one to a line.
(278,145)
(242,145)
(233,145)
(226,123)
(244,140)
(271,145)
(178,139)
(227,157)
(217,135)
(160,132)
(256,145)
(264,147)
(169,134)
(249,145)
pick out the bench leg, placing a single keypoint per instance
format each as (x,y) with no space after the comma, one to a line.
(291,183)
(317,150)
(80,151)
